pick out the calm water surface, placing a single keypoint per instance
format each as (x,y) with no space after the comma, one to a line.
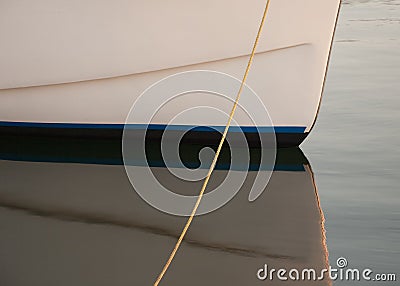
(83,224)
(354,147)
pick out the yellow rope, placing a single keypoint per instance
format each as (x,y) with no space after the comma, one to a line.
(190,219)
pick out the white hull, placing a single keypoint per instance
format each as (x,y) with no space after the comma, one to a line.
(87,64)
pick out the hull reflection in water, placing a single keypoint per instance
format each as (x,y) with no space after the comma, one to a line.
(83,224)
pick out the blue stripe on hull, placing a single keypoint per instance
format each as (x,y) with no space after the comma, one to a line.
(245,129)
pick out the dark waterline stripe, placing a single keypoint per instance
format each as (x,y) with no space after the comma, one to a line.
(245,129)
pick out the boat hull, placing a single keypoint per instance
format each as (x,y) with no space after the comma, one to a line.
(87,85)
